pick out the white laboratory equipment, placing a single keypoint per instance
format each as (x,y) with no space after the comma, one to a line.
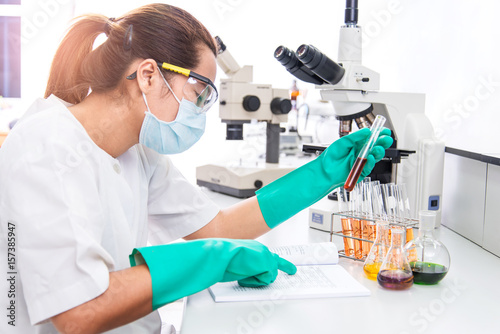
(417,156)
(242,101)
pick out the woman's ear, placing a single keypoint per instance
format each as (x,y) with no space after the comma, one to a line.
(146,75)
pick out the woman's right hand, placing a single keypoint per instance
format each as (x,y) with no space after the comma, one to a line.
(182,269)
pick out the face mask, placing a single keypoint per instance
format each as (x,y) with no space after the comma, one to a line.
(176,136)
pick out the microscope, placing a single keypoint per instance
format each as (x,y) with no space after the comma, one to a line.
(416,157)
(242,101)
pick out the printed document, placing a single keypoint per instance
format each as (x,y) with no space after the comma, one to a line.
(318,276)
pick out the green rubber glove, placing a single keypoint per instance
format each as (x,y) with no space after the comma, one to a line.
(306,185)
(182,269)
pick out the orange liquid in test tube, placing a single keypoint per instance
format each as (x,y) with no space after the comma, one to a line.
(369,232)
(357,232)
(348,242)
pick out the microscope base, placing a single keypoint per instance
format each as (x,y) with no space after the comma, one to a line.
(239,193)
(241,182)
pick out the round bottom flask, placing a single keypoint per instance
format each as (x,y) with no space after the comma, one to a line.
(429,260)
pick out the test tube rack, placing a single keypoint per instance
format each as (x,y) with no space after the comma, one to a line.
(393,222)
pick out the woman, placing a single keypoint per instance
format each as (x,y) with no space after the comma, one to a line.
(85,180)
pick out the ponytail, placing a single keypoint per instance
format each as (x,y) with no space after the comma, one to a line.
(161,32)
(65,79)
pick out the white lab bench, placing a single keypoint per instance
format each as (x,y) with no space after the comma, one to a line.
(466,301)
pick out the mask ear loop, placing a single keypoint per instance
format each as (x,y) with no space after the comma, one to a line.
(146,101)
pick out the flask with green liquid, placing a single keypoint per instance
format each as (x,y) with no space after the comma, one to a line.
(429,260)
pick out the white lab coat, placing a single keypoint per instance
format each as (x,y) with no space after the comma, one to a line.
(78,213)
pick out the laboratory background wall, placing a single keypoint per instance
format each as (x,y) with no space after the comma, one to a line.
(447,49)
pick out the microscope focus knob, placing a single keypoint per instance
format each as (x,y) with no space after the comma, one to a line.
(251,103)
(281,106)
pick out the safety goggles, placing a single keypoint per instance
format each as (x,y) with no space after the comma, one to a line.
(198,89)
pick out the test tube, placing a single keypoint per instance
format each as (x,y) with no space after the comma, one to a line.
(368,225)
(357,229)
(346,221)
(360,162)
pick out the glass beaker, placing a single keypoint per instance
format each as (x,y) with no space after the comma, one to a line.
(346,222)
(432,259)
(395,272)
(378,251)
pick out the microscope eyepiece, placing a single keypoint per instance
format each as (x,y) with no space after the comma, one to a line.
(302,51)
(221,47)
(321,65)
(279,54)
(287,58)
(351,12)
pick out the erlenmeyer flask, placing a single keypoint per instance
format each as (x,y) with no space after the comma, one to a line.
(432,260)
(378,251)
(395,272)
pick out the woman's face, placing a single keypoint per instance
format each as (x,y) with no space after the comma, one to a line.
(160,99)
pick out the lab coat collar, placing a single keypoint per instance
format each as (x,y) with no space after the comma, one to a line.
(43,104)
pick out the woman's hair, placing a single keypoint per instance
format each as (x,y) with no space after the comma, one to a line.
(159,31)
